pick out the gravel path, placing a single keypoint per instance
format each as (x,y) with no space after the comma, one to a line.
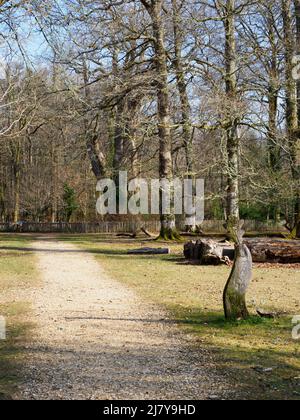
(95,339)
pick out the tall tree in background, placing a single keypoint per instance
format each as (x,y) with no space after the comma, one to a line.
(155,10)
(233,213)
(291,105)
(182,86)
(296,140)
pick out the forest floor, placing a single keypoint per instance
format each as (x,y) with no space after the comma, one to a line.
(109,325)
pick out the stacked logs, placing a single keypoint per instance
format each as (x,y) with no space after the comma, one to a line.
(209,252)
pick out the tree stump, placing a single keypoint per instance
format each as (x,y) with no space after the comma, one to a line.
(234,296)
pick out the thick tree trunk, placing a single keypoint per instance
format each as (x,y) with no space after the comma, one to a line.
(95,156)
(234,297)
(119,127)
(296,153)
(118,141)
(187,130)
(291,103)
(274,84)
(232,129)
(168,225)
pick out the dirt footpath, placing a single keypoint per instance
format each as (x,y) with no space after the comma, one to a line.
(95,339)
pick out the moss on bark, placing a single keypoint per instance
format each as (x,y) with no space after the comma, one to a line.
(169,234)
(235,305)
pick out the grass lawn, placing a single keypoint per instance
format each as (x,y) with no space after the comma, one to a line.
(193,296)
(17,275)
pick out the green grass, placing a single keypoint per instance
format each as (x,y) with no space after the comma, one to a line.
(17,274)
(193,296)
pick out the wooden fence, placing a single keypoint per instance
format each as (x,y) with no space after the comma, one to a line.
(208,226)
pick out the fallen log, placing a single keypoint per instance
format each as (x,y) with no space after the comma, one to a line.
(135,234)
(149,234)
(149,251)
(264,314)
(262,250)
(274,251)
(208,252)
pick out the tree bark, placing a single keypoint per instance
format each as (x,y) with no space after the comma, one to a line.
(96,157)
(234,296)
(187,130)
(273,94)
(54,192)
(16,169)
(17,194)
(131,135)
(168,225)
(297,136)
(291,104)
(232,128)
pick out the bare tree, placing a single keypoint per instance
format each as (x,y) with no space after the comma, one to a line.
(155,10)
(291,104)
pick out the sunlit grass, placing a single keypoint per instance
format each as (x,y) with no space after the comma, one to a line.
(17,274)
(193,296)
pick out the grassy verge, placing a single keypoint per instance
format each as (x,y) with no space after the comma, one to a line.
(17,274)
(259,354)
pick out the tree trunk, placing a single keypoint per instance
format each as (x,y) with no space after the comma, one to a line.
(234,297)
(291,103)
(16,163)
(96,157)
(131,134)
(297,136)
(168,225)
(2,192)
(274,84)
(232,129)
(119,128)
(187,130)
(54,192)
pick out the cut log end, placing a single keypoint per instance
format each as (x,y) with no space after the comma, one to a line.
(207,252)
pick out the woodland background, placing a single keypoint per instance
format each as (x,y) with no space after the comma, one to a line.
(79,99)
